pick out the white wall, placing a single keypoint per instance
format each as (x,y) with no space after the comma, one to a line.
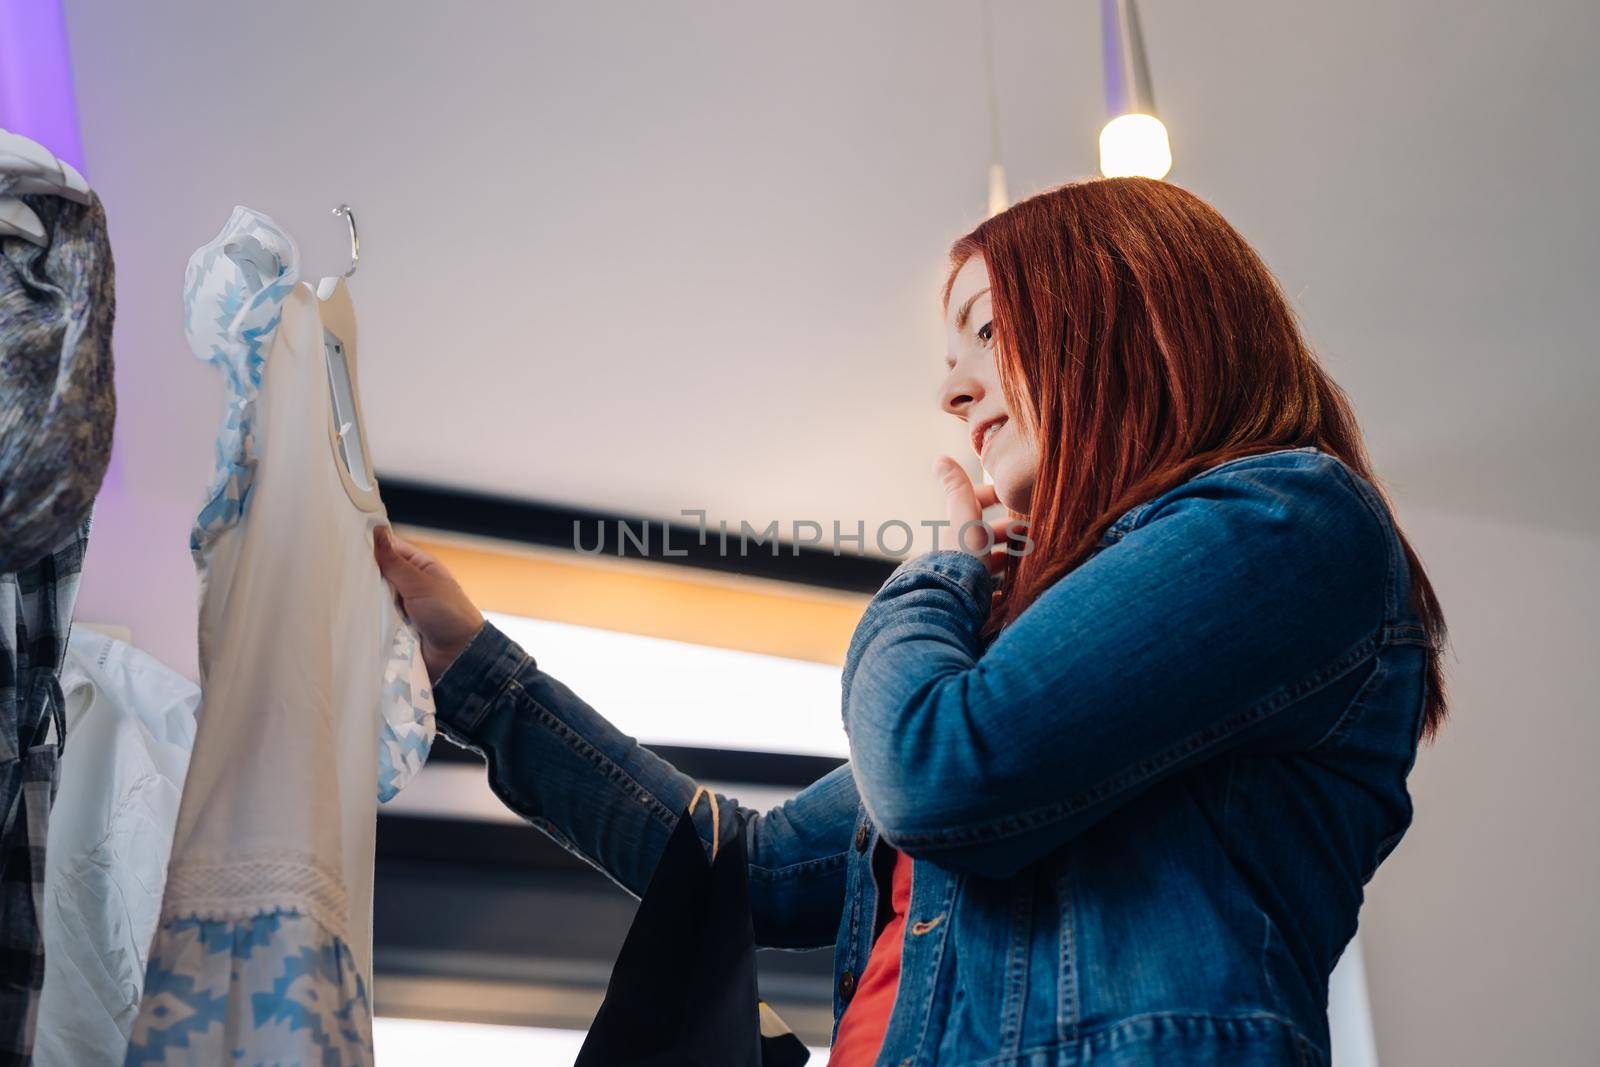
(1482,931)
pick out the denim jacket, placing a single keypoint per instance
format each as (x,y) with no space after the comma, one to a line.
(1140,818)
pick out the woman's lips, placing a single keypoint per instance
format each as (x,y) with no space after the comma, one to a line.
(985,433)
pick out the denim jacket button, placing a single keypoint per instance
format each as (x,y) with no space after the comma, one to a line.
(847,985)
(862,834)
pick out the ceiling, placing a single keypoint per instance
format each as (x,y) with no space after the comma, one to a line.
(650,257)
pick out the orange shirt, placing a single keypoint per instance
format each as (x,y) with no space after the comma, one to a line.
(866,1017)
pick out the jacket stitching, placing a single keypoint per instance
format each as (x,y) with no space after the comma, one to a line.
(1406,635)
(935,972)
(1352,710)
(773,874)
(1391,606)
(1016,988)
(584,747)
(1227,804)
(1198,741)
(476,707)
(1123,1022)
(1067,967)
(1132,517)
(950,584)
(854,888)
(1266,953)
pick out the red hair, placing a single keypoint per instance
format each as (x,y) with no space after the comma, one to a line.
(1139,334)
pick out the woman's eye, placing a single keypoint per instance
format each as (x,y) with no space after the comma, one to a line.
(986,332)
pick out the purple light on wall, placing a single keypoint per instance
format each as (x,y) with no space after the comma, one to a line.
(36,97)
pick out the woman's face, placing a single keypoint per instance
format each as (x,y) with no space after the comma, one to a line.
(971,390)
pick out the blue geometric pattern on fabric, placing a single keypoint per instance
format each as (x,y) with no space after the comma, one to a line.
(276,988)
(405,733)
(233,294)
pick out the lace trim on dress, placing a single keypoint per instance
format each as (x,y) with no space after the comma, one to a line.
(235,890)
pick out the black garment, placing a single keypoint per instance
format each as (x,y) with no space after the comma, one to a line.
(683,991)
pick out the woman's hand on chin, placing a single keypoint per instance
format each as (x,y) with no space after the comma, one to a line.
(964,504)
(439,608)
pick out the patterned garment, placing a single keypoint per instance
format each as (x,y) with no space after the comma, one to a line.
(406,729)
(57,403)
(276,976)
(312,685)
(35,618)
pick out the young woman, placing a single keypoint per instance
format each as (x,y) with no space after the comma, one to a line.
(1113,800)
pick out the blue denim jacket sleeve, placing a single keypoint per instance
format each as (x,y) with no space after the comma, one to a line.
(1200,628)
(612,802)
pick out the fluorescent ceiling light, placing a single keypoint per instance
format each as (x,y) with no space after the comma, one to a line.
(428,1042)
(461,791)
(676,693)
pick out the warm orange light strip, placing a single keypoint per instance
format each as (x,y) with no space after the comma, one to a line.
(653,599)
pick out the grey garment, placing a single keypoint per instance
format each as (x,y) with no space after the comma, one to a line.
(57,400)
(35,621)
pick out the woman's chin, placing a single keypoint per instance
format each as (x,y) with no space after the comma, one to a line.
(1015,493)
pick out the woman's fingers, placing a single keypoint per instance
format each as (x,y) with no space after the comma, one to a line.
(439,608)
(953,477)
(961,508)
(964,507)
(1007,528)
(412,572)
(397,566)
(419,559)
(1007,536)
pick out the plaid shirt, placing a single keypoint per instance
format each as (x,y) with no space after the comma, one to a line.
(35,616)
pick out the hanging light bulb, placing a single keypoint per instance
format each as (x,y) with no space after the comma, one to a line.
(1134,142)
(1135,145)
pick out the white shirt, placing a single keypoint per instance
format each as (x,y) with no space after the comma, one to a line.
(130,725)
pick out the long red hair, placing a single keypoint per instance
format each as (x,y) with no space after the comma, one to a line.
(1142,340)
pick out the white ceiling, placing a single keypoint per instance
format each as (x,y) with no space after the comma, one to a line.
(655,256)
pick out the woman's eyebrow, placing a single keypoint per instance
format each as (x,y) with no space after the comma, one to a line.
(966,308)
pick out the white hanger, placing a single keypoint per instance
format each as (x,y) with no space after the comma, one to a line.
(338,311)
(27,167)
(347,432)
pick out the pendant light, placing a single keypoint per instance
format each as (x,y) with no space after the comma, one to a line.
(1133,142)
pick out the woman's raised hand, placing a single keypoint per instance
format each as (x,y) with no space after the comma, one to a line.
(964,505)
(438,607)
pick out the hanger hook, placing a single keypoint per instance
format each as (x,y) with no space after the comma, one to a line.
(355,238)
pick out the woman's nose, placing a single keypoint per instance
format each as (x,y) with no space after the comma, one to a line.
(959,392)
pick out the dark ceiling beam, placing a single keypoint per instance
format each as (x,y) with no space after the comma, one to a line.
(546,525)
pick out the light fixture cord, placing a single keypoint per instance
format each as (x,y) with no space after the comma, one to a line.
(988,81)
